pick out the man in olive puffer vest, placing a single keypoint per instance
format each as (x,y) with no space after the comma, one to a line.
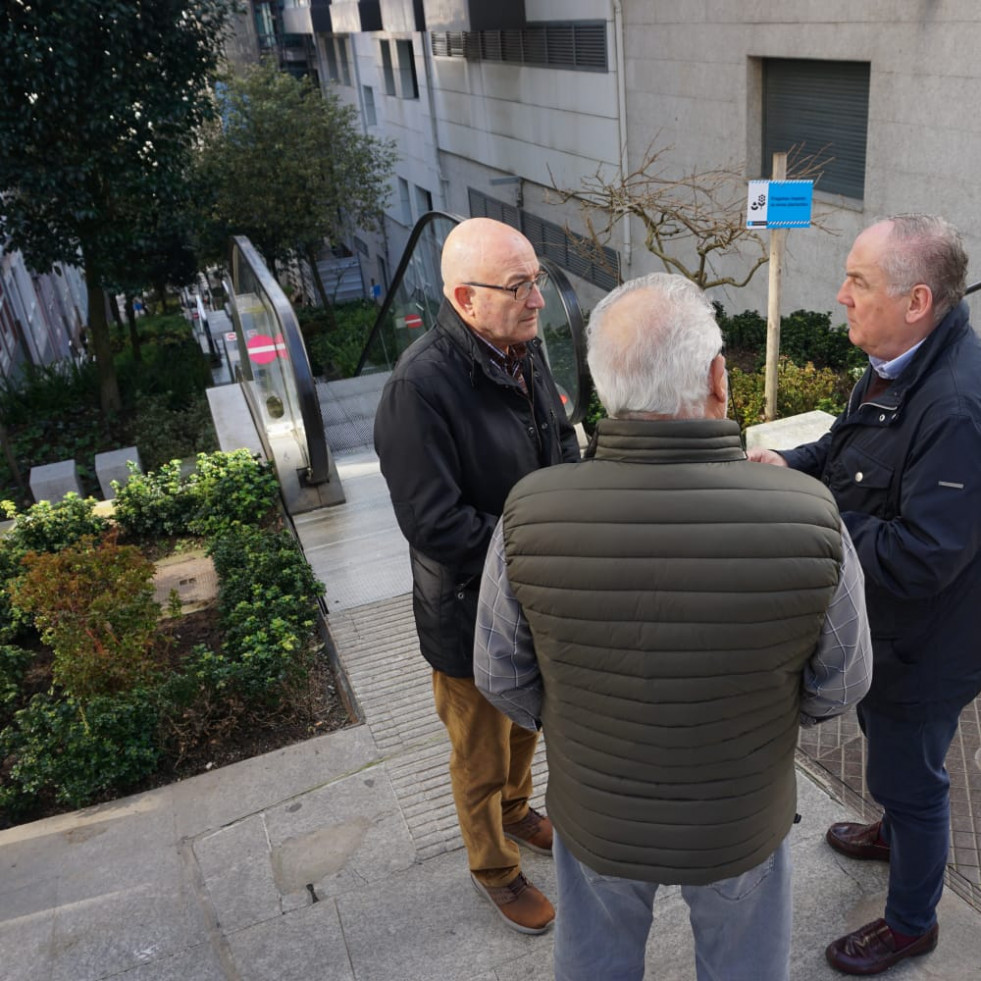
(669,613)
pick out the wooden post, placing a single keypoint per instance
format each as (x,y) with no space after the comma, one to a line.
(777,237)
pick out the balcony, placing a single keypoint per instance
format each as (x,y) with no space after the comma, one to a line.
(474,15)
(311,18)
(355,16)
(400,16)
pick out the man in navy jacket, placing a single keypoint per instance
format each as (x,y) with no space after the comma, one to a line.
(904,464)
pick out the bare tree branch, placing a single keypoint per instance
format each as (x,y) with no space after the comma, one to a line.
(688,221)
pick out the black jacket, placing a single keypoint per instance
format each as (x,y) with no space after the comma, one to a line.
(454,434)
(905,470)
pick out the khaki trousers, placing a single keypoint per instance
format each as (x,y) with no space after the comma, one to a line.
(490,771)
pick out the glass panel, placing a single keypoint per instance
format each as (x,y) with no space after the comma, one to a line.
(272,362)
(415,301)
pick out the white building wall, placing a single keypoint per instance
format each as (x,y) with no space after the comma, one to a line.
(693,78)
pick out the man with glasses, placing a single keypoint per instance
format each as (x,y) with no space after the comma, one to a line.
(904,464)
(468,411)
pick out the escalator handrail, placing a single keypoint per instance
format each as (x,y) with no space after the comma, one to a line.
(414,236)
(318,453)
(973,288)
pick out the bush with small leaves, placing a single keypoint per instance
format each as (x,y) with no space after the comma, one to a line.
(160,503)
(93,603)
(230,489)
(73,751)
(798,390)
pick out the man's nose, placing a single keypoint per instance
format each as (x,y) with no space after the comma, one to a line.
(844,296)
(535,298)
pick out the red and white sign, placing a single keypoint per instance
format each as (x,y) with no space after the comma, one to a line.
(263,349)
(413,321)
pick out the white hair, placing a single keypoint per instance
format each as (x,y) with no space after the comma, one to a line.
(656,362)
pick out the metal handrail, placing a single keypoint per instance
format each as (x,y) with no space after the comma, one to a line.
(317,451)
(564,290)
(420,226)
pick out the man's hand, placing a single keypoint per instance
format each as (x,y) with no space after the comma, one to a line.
(759,455)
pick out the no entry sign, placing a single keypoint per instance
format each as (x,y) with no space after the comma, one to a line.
(263,349)
(413,321)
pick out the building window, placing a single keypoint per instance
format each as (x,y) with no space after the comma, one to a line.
(330,56)
(408,85)
(404,202)
(388,73)
(819,107)
(599,265)
(424,201)
(344,60)
(577,45)
(369,105)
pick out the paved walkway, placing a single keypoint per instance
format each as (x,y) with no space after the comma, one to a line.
(338,859)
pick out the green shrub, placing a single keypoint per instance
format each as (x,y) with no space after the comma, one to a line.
(72,752)
(230,489)
(48,527)
(798,390)
(225,489)
(14,662)
(335,352)
(163,433)
(159,503)
(805,336)
(266,596)
(93,603)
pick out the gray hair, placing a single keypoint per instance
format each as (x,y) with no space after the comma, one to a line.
(659,361)
(926,249)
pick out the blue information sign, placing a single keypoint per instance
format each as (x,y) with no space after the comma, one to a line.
(779,204)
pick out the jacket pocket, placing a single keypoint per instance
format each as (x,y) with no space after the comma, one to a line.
(860,482)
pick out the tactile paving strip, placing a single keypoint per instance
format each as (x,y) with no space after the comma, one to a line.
(834,754)
(379,652)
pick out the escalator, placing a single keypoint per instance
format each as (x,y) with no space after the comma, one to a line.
(414,299)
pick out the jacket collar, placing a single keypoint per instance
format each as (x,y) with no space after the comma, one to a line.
(954,325)
(667,441)
(470,345)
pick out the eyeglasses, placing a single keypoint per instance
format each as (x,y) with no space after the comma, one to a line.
(522,291)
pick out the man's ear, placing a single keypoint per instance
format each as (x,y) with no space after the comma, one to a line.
(920,303)
(718,385)
(463,299)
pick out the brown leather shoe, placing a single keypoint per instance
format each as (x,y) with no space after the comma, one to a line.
(858,840)
(523,907)
(872,949)
(533,831)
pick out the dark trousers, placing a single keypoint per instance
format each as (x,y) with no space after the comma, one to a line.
(906,775)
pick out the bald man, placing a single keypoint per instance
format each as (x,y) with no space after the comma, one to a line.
(469,410)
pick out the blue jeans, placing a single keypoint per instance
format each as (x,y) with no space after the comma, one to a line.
(741,925)
(905,773)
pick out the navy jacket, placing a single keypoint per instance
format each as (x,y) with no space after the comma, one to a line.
(454,434)
(905,470)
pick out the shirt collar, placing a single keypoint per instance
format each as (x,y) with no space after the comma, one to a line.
(893,369)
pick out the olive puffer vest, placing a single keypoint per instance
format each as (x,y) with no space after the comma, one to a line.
(674,593)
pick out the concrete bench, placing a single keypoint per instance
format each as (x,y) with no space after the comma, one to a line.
(112,466)
(53,481)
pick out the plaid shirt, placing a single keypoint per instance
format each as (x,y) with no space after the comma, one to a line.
(836,676)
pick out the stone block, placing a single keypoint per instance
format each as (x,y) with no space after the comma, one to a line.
(53,481)
(785,434)
(112,466)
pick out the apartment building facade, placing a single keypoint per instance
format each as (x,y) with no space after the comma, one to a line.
(495,106)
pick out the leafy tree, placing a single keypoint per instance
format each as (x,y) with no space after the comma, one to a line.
(98,107)
(289,166)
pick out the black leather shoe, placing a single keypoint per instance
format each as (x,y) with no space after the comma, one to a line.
(858,840)
(871,949)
